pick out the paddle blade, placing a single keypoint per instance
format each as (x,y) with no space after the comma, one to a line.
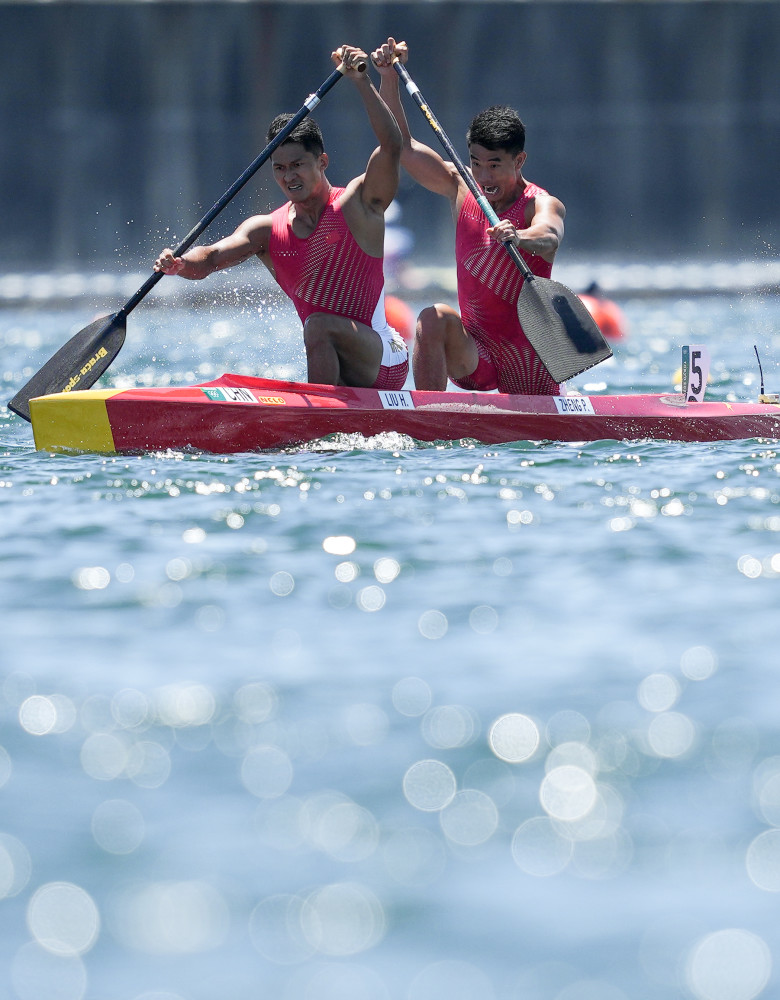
(561,330)
(77,365)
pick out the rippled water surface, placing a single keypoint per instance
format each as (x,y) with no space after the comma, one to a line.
(381,721)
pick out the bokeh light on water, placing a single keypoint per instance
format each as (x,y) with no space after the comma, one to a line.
(448,726)
(170,918)
(380,720)
(470,818)
(539,849)
(118,826)
(671,734)
(514,737)
(580,825)
(411,696)
(429,785)
(731,964)
(15,866)
(267,772)
(567,793)
(63,919)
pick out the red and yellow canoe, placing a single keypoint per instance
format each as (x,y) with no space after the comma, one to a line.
(236,413)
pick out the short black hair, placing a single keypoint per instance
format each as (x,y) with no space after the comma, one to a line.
(497,127)
(307,133)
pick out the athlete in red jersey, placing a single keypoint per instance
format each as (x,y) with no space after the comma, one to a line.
(325,247)
(484,346)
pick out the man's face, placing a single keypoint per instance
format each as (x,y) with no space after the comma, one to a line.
(496,171)
(297,172)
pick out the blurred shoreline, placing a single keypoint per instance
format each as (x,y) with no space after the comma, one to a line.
(620,280)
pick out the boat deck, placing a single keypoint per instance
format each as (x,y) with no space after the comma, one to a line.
(236,413)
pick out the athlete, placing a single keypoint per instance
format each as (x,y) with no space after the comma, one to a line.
(325,247)
(484,346)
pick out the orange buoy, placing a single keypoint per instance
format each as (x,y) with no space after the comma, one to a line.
(399,316)
(609,319)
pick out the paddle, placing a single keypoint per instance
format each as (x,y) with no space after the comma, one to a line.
(80,363)
(557,324)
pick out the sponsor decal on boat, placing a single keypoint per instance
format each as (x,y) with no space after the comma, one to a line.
(230,394)
(398,399)
(574,404)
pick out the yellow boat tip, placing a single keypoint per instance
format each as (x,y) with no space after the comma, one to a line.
(73,421)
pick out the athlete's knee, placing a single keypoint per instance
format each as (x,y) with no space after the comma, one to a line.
(433,324)
(317,328)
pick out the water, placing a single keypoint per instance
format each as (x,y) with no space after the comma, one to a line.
(383,721)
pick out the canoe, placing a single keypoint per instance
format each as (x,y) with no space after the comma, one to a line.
(236,413)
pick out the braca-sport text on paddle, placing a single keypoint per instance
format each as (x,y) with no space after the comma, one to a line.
(557,324)
(86,356)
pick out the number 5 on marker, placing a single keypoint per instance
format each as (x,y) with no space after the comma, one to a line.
(695,372)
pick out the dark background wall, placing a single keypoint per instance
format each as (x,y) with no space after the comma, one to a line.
(657,123)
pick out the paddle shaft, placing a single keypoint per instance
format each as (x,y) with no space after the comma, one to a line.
(310,104)
(484,204)
(80,362)
(556,323)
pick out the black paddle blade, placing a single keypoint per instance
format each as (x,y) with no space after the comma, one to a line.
(561,330)
(77,365)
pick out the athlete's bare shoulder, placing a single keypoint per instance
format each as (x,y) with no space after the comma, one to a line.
(366,221)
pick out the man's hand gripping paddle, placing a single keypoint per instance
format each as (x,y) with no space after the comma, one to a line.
(80,363)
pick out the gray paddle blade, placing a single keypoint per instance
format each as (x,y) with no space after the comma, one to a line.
(561,330)
(76,365)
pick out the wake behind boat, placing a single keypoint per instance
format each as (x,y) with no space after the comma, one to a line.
(238,413)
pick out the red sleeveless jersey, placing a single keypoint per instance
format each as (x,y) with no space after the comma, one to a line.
(489,284)
(327,271)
